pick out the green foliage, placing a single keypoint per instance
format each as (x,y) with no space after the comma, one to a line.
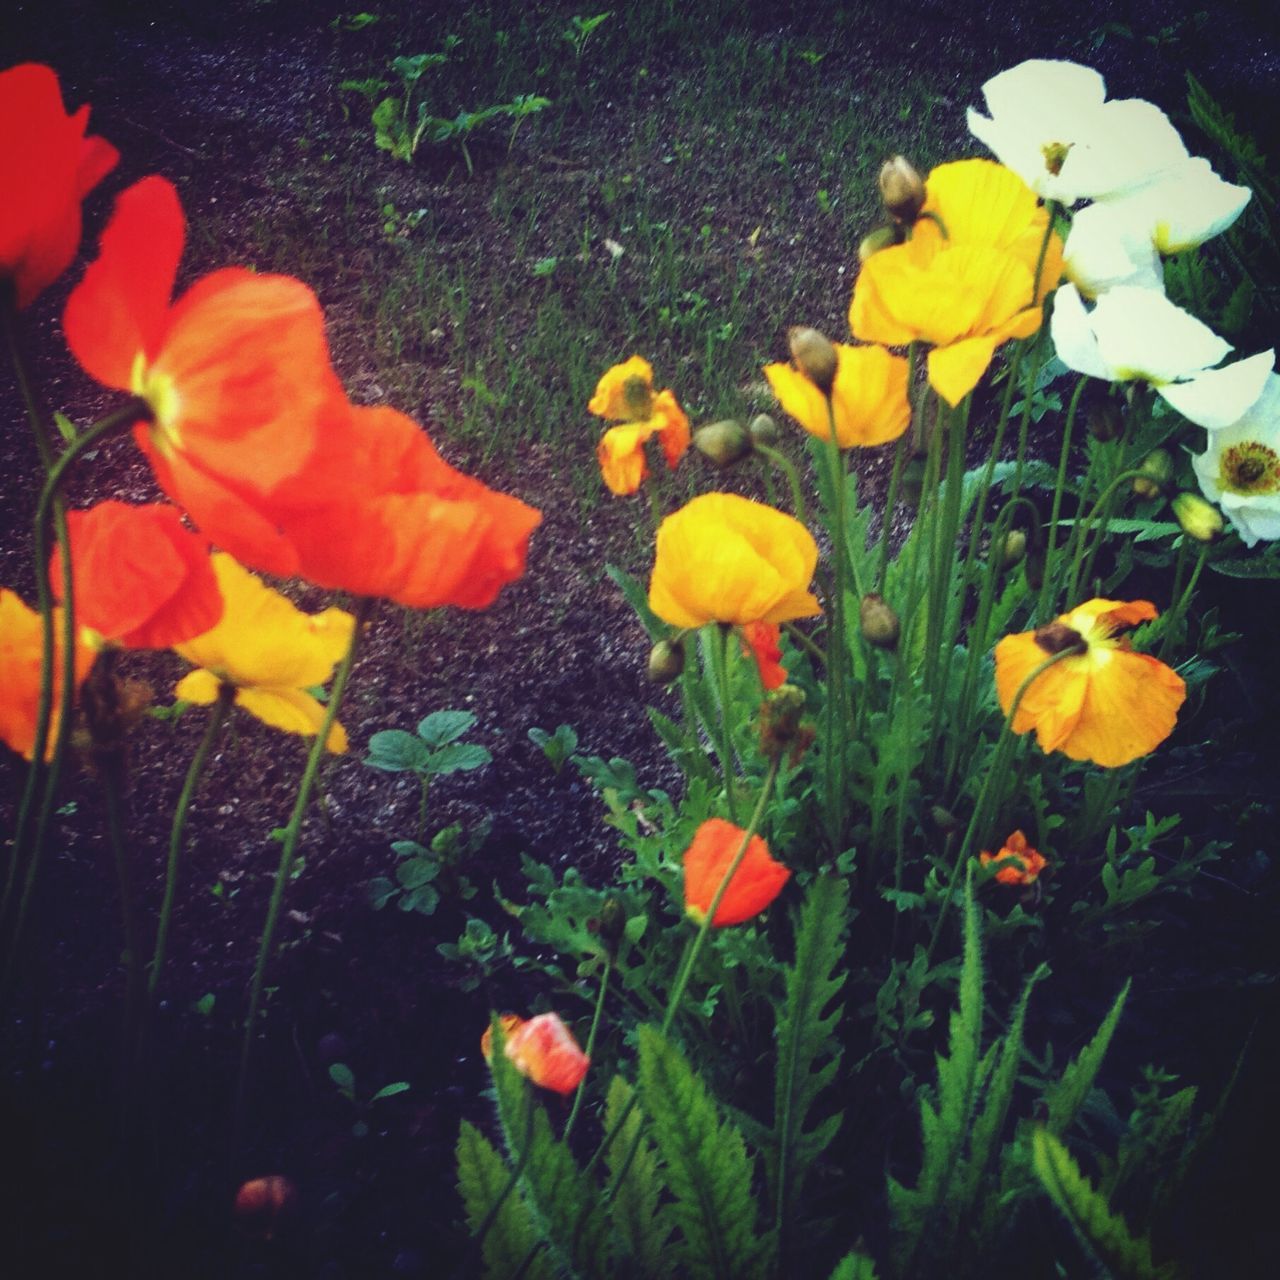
(855,1266)
(706,1165)
(639,1213)
(345,1081)
(425,872)
(1104,1234)
(1064,1099)
(433,751)
(580,30)
(557,746)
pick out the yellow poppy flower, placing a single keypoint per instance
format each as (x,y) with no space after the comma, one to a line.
(270,651)
(1106,703)
(868,397)
(623,392)
(964,286)
(722,558)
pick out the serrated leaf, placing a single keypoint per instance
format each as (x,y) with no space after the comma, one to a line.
(1066,1096)
(441,727)
(855,1266)
(638,599)
(641,1219)
(395,751)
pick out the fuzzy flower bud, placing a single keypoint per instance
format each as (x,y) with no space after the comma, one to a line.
(815,357)
(612,924)
(666,662)
(1012,549)
(1199,519)
(880,623)
(724,442)
(763,430)
(901,189)
(1157,471)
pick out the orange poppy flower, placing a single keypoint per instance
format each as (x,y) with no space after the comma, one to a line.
(761,641)
(543,1049)
(401,523)
(755,884)
(236,374)
(624,392)
(1017,862)
(20,648)
(868,397)
(620,452)
(142,579)
(1105,703)
(964,286)
(47,167)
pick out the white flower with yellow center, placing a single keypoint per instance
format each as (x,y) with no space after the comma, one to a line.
(1051,124)
(1139,335)
(1240,470)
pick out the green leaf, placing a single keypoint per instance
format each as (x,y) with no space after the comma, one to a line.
(641,1218)
(444,726)
(458,757)
(343,1077)
(396,751)
(1066,1096)
(390,1090)
(415,872)
(1105,1234)
(379,891)
(638,598)
(708,1170)
(855,1266)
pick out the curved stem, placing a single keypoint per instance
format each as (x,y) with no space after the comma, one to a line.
(288,849)
(837,645)
(1080,560)
(787,467)
(590,1048)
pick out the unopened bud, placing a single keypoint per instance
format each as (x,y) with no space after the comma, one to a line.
(874,241)
(763,429)
(901,189)
(612,923)
(666,662)
(1157,471)
(781,727)
(1199,519)
(880,623)
(944,819)
(815,357)
(912,483)
(1012,549)
(724,442)
(1104,417)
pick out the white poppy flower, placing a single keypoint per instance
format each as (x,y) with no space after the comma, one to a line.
(1138,334)
(1051,124)
(1240,470)
(1104,250)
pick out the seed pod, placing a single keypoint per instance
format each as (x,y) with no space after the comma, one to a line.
(781,726)
(261,1202)
(1157,471)
(901,189)
(1199,519)
(724,443)
(666,662)
(612,924)
(815,357)
(880,623)
(763,430)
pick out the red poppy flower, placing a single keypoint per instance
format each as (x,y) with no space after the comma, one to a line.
(543,1049)
(20,649)
(236,374)
(402,523)
(142,579)
(1017,862)
(761,641)
(755,884)
(47,167)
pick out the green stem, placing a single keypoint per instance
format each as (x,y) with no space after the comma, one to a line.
(1059,485)
(719,648)
(1080,560)
(591,1046)
(810,646)
(226,696)
(288,849)
(837,645)
(1173,619)
(1024,425)
(787,467)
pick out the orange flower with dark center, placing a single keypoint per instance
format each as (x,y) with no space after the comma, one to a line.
(1105,703)
(20,649)
(756,883)
(47,167)
(1017,862)
(625,394)
(762,641)
(543,1049)
(142,580)
(236,374)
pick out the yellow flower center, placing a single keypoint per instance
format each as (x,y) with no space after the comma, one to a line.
(160,392)
(1055,154)
(1250,467)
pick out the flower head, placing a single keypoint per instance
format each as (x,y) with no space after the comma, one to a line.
(1138,334)
(722,558)
(1051,124)
(47,167)
(143,580)
(543,1049)
(623,464)
(236,374)
(1017,862)
(762,641)
(20,650)
(868,396)
(1105,703)
(1240,470)
(970,277)
(755,884)
(270,651)
(624,391)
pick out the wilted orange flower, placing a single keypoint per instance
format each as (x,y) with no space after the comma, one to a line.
(964,286)
(624,392)
(236,374)
(47,167)
(272,653)
(621,449)
(543,1049)
(762,641)
(400,523)
(868,397)
(20,648)
(722,558)
(1106,703)
(755,884)
(142,579)
(1017,862)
